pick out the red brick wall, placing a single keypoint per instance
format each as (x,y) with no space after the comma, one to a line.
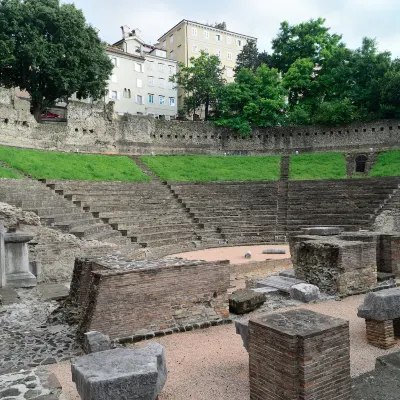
(127,303)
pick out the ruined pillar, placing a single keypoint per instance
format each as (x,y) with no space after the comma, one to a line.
(299,354)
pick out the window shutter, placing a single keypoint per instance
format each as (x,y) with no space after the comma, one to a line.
(118,95)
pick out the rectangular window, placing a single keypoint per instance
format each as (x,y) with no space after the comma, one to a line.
(206,35)
(114,78)
(150,65)
(138,67)
(239,42)
(150,81)
(194,31)
(170,85)
(171,69)
(207,50)
(195,48)
(218,53)
(161,67)
(171,39)
(229,56)
(161,83)
(218,37)
(172,101)
(139,83)
(139,99)
(229,72)
(114,94)
(229,39)
(171,55)
(161,100)
(114,61)
(151,98)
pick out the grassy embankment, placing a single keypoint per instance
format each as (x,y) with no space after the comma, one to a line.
(55,165)
(214,168)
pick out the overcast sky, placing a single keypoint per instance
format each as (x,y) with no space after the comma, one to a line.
(354,19)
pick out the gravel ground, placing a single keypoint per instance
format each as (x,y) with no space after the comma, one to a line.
(235,254)
(213,364)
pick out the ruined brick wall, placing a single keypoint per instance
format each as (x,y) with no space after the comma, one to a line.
(336,266)
(389,255)
(127,303)
(94,128)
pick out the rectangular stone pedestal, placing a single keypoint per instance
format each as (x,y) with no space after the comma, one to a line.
(380,333)
(299,354)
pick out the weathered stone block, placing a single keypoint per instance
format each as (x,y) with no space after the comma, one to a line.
(247,256)
(95,341)
(281,283)
(381,306)
(304,292)
(125,374)
(245,300)
(323,230)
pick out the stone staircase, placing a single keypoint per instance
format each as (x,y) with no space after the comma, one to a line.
(242,212)
(55,211)
(147,213)
(351,203)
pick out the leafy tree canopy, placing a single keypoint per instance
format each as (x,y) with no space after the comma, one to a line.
(50,51)
(201,81)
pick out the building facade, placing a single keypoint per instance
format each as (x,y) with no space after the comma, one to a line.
(140,83)
(188,38)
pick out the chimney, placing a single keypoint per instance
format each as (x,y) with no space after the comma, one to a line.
(125,31)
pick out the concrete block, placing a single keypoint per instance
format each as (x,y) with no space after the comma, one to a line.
(95,341)
(381,306)
(124,374)
(304,292)
(245,300)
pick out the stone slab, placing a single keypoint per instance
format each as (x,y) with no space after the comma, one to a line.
(245,300)
(266,290)
(300,322)
(385,276)
(126,374)
(323,230)
(274,251)
(16,237)
(53,291)
(381,306)
(279,282)
(95,341)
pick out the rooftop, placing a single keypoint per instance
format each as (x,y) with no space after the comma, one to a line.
(206,26)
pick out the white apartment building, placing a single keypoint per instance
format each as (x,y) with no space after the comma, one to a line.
(140,83)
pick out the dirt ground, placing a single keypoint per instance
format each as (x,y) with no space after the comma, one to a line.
(236,255)
(213,364)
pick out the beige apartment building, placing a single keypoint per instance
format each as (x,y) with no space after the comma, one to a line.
(188,38)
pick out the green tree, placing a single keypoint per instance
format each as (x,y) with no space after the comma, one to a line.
(254,99)
(251,59)
(309,39)
(51,52)
(202,81)
(390,92)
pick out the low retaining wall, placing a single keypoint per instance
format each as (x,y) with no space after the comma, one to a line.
(260,269)
(124,299)
(94,129)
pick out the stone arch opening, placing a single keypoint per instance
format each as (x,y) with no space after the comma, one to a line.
(361,163)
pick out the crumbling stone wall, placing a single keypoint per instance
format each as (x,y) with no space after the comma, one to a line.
(151,296)
(94,128)
(53,253)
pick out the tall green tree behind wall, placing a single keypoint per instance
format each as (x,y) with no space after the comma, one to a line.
(50,51)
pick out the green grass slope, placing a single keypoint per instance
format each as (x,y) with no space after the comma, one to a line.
(8,173)
(214,168)
(317,166)
(387,164)
(54,165)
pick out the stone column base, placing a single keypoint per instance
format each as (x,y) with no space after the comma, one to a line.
(21,280)
(380,333)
